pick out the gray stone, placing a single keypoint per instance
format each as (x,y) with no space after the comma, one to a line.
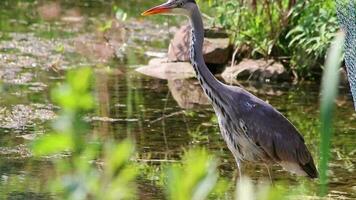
(216,48)
(161,68)
(261,70)
(187,93)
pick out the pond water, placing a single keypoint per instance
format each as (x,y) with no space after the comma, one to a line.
(40,40)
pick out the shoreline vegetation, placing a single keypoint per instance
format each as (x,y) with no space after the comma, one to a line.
(295,33)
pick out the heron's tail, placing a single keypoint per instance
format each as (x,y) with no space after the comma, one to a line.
(310,169)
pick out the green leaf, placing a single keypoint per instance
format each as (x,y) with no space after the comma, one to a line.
(52,144)
(118,156)
(120,14)
(329,88)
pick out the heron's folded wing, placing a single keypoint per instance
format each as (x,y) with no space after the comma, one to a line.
(270,130)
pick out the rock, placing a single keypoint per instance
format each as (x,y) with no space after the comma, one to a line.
(116,37)
(187,93)
(161,68)
(260,70)
(155,54)
(95,49)
(216,48)
(50,10)
(261,89)
(72,15)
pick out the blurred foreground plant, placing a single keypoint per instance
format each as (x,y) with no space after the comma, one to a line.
(329,91)
(195,179)
(79,172)
(247,190)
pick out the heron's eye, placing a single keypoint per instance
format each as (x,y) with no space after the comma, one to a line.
(180,4)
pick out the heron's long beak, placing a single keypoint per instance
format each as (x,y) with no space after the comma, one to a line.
(164,8)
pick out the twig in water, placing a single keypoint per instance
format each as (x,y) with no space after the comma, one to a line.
(167,116)
(155,160)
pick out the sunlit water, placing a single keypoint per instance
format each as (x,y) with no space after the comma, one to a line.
(36,48)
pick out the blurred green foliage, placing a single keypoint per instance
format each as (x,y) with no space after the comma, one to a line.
(297,33)
(329,92)
(195,180)
(88,166)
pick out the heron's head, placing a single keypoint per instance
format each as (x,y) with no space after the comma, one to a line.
(172,7)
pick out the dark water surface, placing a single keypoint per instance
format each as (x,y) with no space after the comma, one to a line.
(40,40)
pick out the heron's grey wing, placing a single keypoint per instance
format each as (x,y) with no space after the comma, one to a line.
(270,130)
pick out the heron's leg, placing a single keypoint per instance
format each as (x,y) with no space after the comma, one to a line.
(239,168)
(269,174)
(238,175)
(239,179)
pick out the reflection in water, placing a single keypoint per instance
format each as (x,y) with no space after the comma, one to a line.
(187,93)
(103,98)
(50,10)
(151,111)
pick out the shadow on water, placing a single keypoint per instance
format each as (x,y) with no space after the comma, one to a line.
(40,40)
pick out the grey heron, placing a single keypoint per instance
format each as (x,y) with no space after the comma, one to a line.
(253,130)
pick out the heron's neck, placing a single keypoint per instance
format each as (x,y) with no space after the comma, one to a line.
(208,82)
